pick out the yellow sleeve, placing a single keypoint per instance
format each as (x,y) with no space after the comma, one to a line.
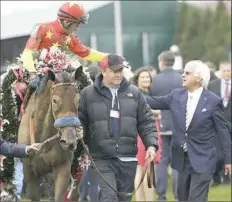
(28,62)
(95,56)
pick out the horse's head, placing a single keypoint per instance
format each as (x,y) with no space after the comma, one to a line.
(64,102)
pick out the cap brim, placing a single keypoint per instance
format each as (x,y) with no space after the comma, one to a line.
(117,67)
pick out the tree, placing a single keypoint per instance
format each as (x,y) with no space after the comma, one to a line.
(183,9)
(204,33)
(218,36)
(191,39)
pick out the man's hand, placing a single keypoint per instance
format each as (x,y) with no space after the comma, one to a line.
(228,169)
(157,114)
(150,154)
(33,148)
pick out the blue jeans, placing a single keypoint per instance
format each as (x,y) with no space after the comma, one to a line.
(18,177)
(89,185)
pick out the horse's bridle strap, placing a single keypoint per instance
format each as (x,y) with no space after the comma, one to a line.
(63,84)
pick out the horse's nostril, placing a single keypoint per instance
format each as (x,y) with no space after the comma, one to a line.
(71,147)
(63,142)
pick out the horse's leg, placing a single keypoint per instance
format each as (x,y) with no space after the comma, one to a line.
(33,183)
(62,176)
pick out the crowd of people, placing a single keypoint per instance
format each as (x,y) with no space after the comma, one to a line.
(133,119)
(123,163)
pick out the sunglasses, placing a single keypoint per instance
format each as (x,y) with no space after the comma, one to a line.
(186,73)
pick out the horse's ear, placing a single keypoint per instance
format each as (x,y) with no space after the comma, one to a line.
(51,75)
(78,73)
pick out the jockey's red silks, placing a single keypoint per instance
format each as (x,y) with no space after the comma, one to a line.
(46,35)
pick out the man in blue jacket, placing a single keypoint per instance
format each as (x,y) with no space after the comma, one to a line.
(196,114)
(17,150)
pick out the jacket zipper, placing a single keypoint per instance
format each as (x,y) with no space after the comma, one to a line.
(119,129)
(117,146)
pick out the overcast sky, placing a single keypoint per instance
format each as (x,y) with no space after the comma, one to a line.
(8,7)
(18,17)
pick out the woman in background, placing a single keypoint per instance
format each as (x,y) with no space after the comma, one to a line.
(143,80)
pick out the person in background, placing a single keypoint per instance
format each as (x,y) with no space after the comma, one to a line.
(213,69)
(152,70)
(163,83)
(222,88)
(142,79)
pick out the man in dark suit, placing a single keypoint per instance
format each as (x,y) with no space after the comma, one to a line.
(222,88)
(17,150)
(213,69)
(196,114)
(162,84)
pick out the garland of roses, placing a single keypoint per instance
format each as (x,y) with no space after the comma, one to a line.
(9,133)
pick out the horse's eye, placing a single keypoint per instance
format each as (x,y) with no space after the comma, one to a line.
(55,99)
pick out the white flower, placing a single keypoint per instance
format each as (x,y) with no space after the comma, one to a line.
(43,54)
(20,58)
(53,50)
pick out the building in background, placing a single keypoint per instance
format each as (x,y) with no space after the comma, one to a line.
(148,28)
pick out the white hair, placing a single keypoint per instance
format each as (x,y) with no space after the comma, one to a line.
(198,68)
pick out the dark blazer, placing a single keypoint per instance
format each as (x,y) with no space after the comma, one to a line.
(12,149)
(215,87)
(199,136)
(163,84)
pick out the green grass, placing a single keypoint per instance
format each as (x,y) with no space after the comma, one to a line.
(219,193)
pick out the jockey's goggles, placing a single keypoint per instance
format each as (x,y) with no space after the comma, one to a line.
(80,20)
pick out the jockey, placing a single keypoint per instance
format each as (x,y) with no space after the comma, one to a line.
(59,33)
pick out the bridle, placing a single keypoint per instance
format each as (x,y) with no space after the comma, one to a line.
(32,133)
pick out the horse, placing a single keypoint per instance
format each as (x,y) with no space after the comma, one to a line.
(51,119)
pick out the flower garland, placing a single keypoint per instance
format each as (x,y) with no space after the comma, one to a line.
(9,130)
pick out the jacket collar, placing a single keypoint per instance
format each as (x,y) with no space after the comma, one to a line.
(100,85)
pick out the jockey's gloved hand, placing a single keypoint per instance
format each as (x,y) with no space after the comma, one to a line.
(34,81)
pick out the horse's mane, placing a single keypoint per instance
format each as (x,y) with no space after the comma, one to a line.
(43,84)
(82,81)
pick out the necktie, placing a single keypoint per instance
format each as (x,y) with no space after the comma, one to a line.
(188,112)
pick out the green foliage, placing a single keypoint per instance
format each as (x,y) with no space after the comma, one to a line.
(9,112)
(204,33)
